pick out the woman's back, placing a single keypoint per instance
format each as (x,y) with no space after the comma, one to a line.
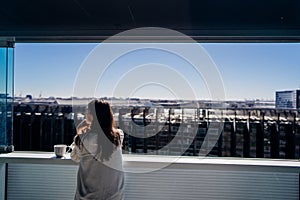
(98,179)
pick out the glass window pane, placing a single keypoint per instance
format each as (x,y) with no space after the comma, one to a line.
(6,98)
(3,80)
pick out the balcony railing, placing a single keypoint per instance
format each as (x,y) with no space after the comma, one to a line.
(260,133)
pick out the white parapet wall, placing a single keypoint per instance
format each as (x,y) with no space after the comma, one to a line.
(34,175)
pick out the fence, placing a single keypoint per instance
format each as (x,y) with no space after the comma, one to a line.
(261,133)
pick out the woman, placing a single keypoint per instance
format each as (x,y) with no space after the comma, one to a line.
(97,149)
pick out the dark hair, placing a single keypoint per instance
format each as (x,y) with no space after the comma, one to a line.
(103,124)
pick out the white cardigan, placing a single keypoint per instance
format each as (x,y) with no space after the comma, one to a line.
(98,179)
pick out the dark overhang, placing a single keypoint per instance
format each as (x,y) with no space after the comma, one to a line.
(204,20)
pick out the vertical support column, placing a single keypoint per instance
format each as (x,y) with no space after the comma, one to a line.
(246,134)
(169,125)
(6,95)
(145,148)
(62,126)
(41,135)
(290,142)
(31,120)
(274,141)
(298,142)
(220,139)
(260,137)
(233,137)
(133,138)
(157,130)
(52,123)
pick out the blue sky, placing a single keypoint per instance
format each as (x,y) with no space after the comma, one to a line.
(248,71)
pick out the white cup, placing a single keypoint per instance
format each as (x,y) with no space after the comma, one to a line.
(60,150)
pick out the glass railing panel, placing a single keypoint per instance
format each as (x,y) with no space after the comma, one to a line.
(6,98)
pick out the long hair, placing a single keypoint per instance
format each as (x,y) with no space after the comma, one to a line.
(104,125)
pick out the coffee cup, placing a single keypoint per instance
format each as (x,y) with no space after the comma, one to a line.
(60,150)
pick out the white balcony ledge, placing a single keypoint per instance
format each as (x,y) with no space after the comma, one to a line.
(39,175)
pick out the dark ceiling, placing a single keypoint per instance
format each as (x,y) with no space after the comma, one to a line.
(204,20)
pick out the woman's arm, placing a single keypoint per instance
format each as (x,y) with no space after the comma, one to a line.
(83,127)
(121,136)
(75,155)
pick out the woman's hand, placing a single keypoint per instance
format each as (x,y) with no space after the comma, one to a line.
(83,127)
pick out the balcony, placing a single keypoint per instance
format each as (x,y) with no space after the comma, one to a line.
(39,175)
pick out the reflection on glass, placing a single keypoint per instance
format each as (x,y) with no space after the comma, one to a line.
(6,98)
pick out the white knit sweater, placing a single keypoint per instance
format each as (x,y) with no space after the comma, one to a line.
(98,179)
